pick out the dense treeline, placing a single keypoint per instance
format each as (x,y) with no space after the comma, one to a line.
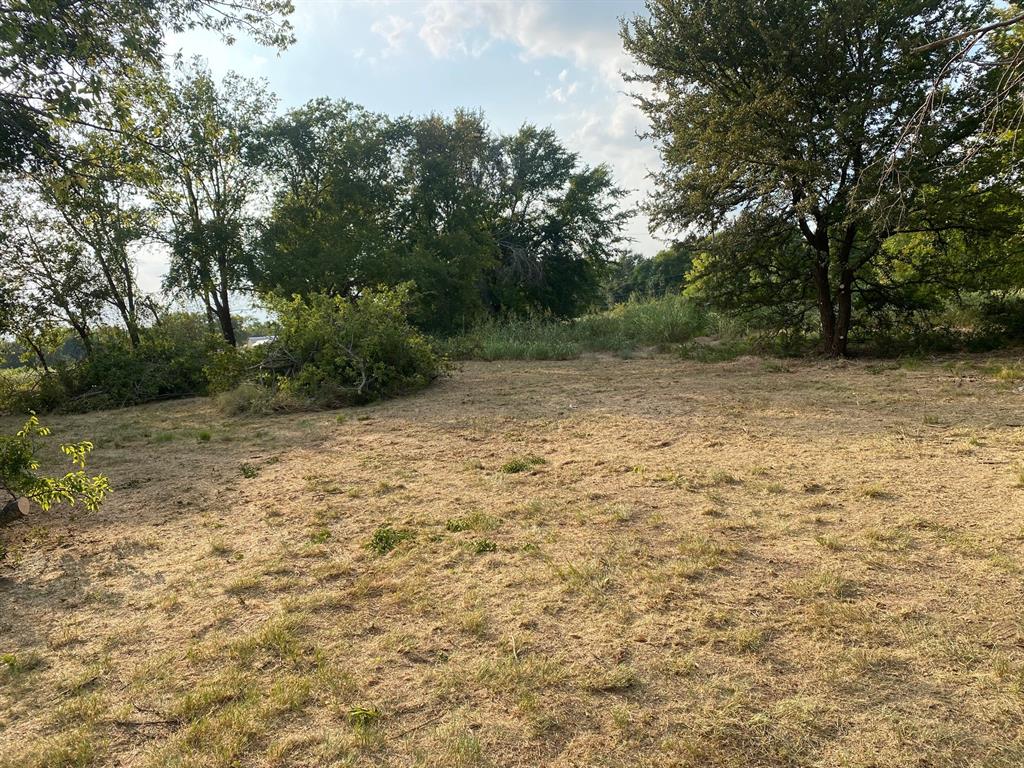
(328,199)
(827,181)
(484,225)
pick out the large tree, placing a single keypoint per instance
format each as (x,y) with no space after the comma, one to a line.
(337,170)
(448,243)
(480,223)
(558,225)
(206,181)
(777,119)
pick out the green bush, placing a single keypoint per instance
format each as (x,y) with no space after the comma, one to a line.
(333,350)
(385,538)
(1003,317)
(228,367)
(24,389)
(169,362)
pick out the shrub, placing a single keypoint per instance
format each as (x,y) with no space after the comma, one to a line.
(1003,318)
(338,351)
(19,471)
(229,367)
(169,362)
(29,390)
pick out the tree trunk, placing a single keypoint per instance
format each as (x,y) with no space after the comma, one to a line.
(818,239)
(120,303)
(38,352)
(826,309)
(84,334)
(835,311)
(844,296)
(227,328)
(222,302)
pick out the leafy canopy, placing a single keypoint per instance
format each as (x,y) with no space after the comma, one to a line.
(482,224)
(61,59)
(777,120)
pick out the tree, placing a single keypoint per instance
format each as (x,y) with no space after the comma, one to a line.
(60,58)
(785,113)
(98,204)
(558,226)
(480,223)
(337,170)
(206,182)
(49,273)
(25,322)
(636,276)
(448,242)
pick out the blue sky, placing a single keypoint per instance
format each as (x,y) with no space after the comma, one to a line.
(548,62)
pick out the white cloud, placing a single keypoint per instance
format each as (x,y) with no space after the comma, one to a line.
(450,28)
(539,29)
(563,92)
(606,130)
(392,28)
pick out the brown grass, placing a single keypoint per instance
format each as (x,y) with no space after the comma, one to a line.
(696,565)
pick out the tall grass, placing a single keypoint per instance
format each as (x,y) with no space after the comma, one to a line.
(665,323)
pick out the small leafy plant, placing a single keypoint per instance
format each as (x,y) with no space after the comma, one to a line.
(474,521)
(363,717)
(386,538)
(20,478)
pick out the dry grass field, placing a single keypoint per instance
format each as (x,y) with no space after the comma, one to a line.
(603,562)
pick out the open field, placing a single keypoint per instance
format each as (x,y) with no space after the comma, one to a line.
(601,562)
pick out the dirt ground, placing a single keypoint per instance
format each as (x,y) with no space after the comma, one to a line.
(604,562)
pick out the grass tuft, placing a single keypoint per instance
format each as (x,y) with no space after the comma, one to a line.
(614,680)
(669,322)
(522,464)
(385,538)
(477,521)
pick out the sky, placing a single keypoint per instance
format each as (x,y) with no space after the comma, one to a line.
(552,63)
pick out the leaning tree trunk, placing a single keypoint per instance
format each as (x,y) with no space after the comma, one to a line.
(221,300)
